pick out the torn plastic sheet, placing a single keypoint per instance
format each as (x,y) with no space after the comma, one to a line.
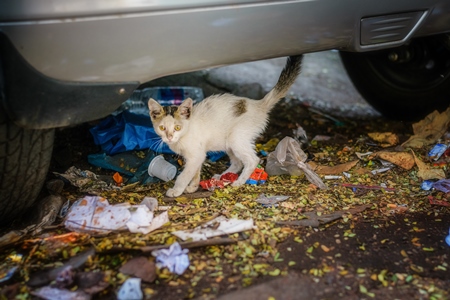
(175,258)
(94,215)
(218,226)
(289,158)
(270,201)
(442,185)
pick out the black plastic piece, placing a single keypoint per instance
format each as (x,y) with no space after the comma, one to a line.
(33,100)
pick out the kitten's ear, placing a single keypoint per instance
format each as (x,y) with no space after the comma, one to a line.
(185,108)
(156,110)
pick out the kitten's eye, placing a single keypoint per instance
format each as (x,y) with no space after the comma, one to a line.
(161,127)
(177,128)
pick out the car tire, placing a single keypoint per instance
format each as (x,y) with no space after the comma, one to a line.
(404,83)
(25,156)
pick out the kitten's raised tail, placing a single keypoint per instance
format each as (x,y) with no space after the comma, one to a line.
(287,78)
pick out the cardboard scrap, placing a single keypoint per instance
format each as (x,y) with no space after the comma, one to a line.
(386,139)
(404,160)
(338,169)
(429,130)
(425,172)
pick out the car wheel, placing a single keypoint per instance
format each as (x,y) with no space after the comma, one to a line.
(25,156)
(404,83)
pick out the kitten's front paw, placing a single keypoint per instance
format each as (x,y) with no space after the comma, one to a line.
(173,193)
(191,189)
(237,183)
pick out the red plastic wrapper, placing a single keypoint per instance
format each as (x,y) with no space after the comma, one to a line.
(229,177)
(435,201)
(224,180)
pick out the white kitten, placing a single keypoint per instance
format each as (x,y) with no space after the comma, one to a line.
(218,123)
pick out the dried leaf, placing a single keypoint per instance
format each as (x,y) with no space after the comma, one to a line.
(429,130)
(140,267)
(387,139)
(425,172)
(402,159)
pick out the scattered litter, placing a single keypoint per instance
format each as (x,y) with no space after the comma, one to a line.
(331,177)
(289,158)
(361,155)
(94,215)
(224,180)
(259,176)
(434,201)
(218,226)
(367,187)
(175,259)
(270,201)
(437,151)
(118,179)
(429,130)
(130,289)
(381,170)
(387,139)
(447,238)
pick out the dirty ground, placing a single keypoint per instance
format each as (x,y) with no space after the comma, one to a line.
(391,244)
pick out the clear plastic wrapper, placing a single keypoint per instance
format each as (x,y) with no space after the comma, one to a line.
(289,158)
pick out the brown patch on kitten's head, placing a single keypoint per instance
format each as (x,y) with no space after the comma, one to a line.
(184,110)
(239,107)
(156,111)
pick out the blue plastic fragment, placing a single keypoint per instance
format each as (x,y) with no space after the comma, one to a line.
(427,185)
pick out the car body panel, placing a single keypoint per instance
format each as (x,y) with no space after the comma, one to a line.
(103,43)
(144,40)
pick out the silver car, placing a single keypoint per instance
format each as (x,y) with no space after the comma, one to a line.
(71,61)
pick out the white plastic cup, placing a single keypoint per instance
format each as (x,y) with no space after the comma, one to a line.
(162,169)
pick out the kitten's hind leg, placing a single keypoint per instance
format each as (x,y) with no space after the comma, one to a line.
(195,182)
(250,160)
(236,164)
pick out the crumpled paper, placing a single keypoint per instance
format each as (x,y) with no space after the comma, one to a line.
(175,258)
(94,215)
(218,226)
(289,158)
